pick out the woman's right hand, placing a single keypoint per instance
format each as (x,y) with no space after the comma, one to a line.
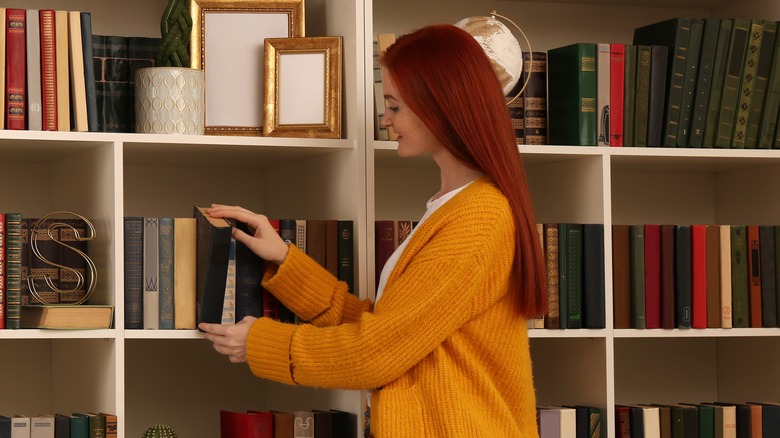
(264,240)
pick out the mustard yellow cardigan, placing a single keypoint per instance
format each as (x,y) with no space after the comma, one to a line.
(445,350)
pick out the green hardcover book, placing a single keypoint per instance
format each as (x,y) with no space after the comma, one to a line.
(13,270)
(346,271)
(571,77)
(112,82)
(629,94)
(165,275)
(655,101)
(716,86)
(692,66)
(747,84)
(79,426)
(739,277)
(768,116)
(637,267)
(563,275)
(574,276)
(673,33)
(731,81)
(709,44)
(758,97)
(642,99)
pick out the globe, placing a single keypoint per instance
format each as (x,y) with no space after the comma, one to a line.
(500,45)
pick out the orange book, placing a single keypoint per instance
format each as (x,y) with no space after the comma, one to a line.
(48,69)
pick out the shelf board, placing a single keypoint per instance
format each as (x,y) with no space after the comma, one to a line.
(696,333)
(163,334)
(34,334)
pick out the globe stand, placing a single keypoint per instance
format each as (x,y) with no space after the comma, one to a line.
(494,14)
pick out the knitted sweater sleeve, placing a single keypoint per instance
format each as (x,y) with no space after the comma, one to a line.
(454,268)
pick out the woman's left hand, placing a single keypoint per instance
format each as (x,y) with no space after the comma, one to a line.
(229,339)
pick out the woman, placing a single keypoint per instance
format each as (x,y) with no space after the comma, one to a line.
(444,348)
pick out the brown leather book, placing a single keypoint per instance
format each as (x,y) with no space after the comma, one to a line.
(621,277)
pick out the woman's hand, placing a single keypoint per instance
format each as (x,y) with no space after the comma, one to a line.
(229,339)
(264,240)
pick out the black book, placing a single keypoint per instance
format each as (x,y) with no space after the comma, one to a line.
(212,253)
(593,305)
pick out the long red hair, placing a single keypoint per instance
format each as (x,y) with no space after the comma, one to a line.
(446,79)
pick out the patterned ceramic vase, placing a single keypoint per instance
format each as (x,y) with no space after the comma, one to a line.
(169,100)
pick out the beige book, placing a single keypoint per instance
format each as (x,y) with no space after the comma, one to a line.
(77,79)
(184,261)
(63,70)
(725,276)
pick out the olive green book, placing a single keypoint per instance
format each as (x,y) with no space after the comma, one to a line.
(690,77)
(731,82)
(747,84)
(739,277)
(642,99)
(716,84)
(629,94)
(709,46)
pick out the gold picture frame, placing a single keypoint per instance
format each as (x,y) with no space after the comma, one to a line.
(227,43)
(303,87)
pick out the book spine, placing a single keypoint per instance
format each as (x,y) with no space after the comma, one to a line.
(667,277)
(593,287)
(617,67)
(3,297)
(657,90)
(13,273)
(603,110)
(761,84)
(48,69)
(747,85)
(731,80)
(563,275)
(642,99)
(768,279)
(574,276)
(77,78)
(134,272)
(683,275)
(249,274)
(769,117)
(692,66)
(621,277)
(552,317)
(151,273)
(739,277)
(701,98)
(346,271)
(63,70)
(637,261)
(629,94)
(3,35)
(166,247)
(16,70)
(112,86)
(699,276)
(712,236)
(652,249)
(534,105)
(726,307)
(184,267)
(89,71)
(719,65)
(34,99)
(754,275)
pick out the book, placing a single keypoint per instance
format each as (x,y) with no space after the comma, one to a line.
(623,421)
(563,273)
(229,295)
(593,287)
(67,316)
(151,294)
(673,33)
(683,276)
(251,424)
(3,32)
(111,424)
(79,426)
(78,89)
(603,109)
(768,276)
(709,45)
(385,40)
(726,317)
(692,66)
(95,422)
(89,71)
(637,269)
(552,316)
(668,304)
(165,274)
(213,248)
(712,236)
(62,426)
(534,98)
(719,65)
(656,95)
(571,100)
(763,69)
(729,97)
(63,69)
(249,276)
(134,271)
(303,424)
(323,424)
(739,277)
(332,246)
(621,276)
(573,278)
(15,69)
(283,424)
(747,84)
(20,426)
(698,276)
(13,269)
(644,57)
(184,278)
(33,66)
(3,297)
(629,93)
(652,267)
(48,37)
(42,426)
(768,123)
(617,59)
(637,419)
(346,269)
(754,275)
(112,77)
(317,240)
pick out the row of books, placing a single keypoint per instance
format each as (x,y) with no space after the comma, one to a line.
(53,273)
(287,424)
(76,425)
(570,422)
(683,82)
(181,271)
(58,76)
(695,276)
(697,420)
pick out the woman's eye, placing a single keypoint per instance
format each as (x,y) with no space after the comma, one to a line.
(393,109)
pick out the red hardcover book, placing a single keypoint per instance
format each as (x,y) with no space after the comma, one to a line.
(754,276)
(617,54)
(385,238)
(16,69)
(48,69)
(667,277)
(699,276)
(252,424)
(652,276)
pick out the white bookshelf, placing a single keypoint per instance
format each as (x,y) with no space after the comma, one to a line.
(148,377)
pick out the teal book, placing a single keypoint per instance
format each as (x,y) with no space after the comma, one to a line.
(739,277)
(732,78)
(637,270)
(165,274)
(673,33)
(571,100)
(709,45)
(760,88)
(79,426)
(747,84)
(692,66)
(716,85)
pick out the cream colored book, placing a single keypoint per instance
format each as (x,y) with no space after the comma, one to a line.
(725,276)
(77,79)
(184,262)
